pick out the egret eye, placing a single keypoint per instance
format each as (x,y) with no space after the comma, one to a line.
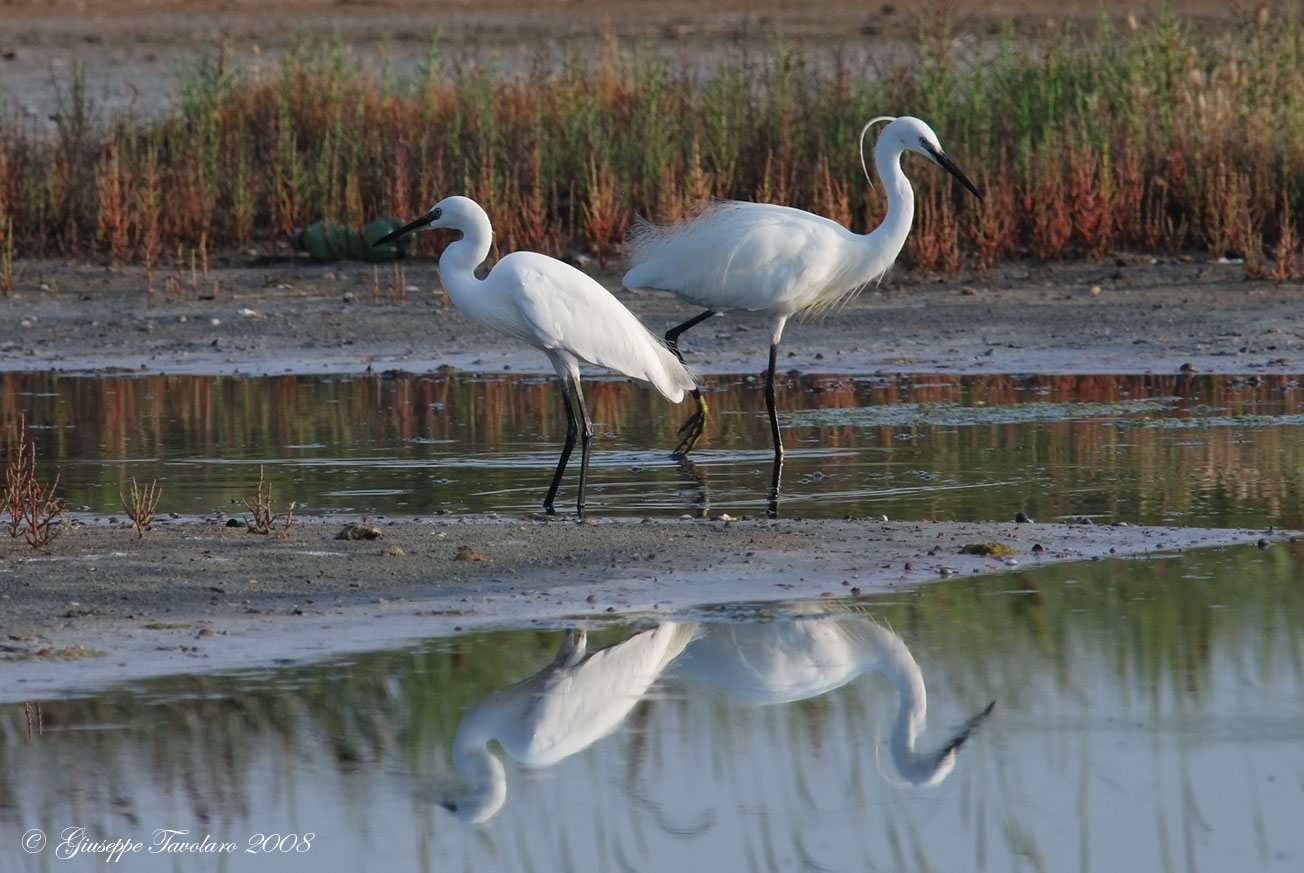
(923,141)
(435,213)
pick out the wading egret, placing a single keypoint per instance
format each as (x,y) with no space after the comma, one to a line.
(780,261)
(567,706)
(557,309)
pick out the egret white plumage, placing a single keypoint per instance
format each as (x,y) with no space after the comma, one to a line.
(554,307)
(780,261)
(775,662)
(567,706)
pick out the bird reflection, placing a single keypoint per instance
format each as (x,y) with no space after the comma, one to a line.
(583,696)
(691,473)
(567,706)
(776,662)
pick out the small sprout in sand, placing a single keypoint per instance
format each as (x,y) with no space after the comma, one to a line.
(466,553)
(264,520)
(987,549)
(34,512)
(140,508)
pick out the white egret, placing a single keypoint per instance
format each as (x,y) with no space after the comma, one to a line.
(780,261)
(767,663)
(565,707)
(554,307)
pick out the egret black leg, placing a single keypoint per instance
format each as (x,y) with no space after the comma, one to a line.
(672,335)
(586,440)
(691,430)
(690,471)
(571,430)
(774,430)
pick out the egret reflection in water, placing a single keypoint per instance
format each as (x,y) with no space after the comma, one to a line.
(581,697)
(766,663)
(567,706)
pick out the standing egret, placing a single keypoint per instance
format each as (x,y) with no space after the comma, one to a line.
(554,307)
(780,261)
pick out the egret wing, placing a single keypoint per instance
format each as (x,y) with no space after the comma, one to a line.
(570,311)
(582,704)
(755,256)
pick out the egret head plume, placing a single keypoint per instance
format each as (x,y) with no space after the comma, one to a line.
(864,130)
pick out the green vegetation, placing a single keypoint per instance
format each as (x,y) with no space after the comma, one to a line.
(1154,137)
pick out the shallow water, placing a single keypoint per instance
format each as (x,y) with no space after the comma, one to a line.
(1148,716)
(1206,450)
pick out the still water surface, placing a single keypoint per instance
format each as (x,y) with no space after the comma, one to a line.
(1149,716)
(1204,450)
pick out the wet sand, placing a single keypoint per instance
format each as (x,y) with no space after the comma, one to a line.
(1125,315)
(101,605)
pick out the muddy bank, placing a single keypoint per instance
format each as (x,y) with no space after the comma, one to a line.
(101,605)
(1127,315)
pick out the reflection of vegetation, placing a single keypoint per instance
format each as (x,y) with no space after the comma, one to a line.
(205,732)
(956,415)
(1176,637)
(1137,448)
(1151,628)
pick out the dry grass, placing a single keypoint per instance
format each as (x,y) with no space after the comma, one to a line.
(264,518)
(8,251)
(34,512)
(140,508)
(1153,138)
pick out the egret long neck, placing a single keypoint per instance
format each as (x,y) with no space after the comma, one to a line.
(480,767)
(458,262)
(912,704)
(891,235)
(912,709)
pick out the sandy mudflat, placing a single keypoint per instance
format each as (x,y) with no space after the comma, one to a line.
(100,604)
(1126,315)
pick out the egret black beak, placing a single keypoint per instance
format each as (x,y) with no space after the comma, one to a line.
(947,164)
(411,226)
(969,727)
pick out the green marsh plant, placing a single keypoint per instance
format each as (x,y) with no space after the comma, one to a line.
(1153,136)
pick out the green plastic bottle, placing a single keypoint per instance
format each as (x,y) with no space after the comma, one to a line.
(330,240)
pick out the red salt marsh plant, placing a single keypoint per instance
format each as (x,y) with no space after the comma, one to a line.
(34,512)
(1153,137)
